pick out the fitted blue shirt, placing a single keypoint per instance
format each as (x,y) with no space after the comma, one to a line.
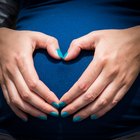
(67,20)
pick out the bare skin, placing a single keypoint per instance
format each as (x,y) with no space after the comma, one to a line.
(24,92)
(110,74)
(106,80)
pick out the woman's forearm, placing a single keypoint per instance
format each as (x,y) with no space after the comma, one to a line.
(134,33)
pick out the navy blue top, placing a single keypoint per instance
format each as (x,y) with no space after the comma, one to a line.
(67,20)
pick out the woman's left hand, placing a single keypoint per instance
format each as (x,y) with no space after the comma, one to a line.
(108,77)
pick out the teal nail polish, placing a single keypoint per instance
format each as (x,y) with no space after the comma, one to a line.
(59,53)
(64,114)
(42,117)
(65,55)
(77,119)
(54,114)
(93,117)
(62,104)
(54,104)
(25,119)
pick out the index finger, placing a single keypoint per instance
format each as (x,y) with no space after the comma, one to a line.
(27,69)
(84,82)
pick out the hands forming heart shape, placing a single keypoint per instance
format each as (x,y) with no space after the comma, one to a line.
(103,84)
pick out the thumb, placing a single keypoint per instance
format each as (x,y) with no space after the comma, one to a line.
(47,42)
(86,42)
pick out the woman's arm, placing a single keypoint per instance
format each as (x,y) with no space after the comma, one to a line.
(22,89)
(108,77)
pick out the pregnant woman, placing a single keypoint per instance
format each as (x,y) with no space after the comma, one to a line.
(86,62)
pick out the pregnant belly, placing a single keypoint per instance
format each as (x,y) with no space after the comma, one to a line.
(67,21)
(67,24)
(59,76)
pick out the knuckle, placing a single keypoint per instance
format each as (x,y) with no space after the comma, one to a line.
(8,102)
(53,40)
(76,43)
(101,113)
(10,69)
(82,86)
(115,70)
(103,60)
(72,108)
(103,103)
(85,113)
(20,57)
(32,84)
(112,73)
(14,101)
(67,100)
(121,79)
(26,97)
(127,82)
(114,102)
(24,108)
(89,97)
(45,109)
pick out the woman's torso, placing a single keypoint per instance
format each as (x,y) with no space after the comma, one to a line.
(67,20)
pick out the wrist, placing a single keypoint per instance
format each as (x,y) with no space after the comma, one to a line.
(134,36)
(134,33)
(4,31)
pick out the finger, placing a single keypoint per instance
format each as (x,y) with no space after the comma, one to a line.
(102,112)
(31,78)
(84,82)
(31,97)
(114,102)
(18,112)
(103,102)
(89,96)
(47,42)
(86,42)
(5,93)
(16,100)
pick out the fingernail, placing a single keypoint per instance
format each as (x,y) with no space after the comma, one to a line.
(54,114)
(77,119)
(54,104)
(65,55)
(59,53)
(42,117)
(62,104)
(25,119)
(64,114)
(93,117)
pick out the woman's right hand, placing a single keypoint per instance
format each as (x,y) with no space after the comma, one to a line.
(22,89)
